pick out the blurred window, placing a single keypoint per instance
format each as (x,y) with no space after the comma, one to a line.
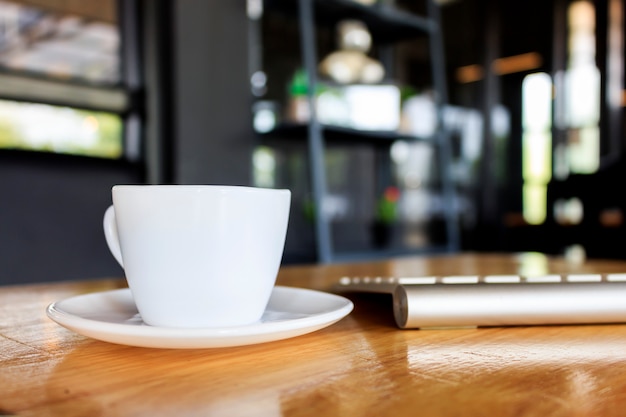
(61,79)
(582,101)
(536,145)
(65,46)
(580,153)
(42,127)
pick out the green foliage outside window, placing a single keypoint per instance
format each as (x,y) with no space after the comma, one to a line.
(47,128)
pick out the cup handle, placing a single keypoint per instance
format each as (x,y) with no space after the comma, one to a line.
(110,234)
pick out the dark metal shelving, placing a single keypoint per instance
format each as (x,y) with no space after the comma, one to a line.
(343,135)
(387,25)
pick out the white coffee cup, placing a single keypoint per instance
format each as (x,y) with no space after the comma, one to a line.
(198,255)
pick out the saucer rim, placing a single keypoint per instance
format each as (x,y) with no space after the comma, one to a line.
(143,335)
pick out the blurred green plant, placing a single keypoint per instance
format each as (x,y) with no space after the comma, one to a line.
(387,206)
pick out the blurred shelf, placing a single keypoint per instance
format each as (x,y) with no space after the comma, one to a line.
(49,91)
(344,135)
(386,24)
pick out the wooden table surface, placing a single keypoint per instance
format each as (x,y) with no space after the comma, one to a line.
(361,366)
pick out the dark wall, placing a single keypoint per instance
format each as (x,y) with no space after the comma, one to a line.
(212,99)
(51,209)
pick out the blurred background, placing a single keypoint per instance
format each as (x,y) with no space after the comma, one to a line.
(401,127)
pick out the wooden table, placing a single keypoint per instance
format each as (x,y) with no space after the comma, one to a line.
(360,366)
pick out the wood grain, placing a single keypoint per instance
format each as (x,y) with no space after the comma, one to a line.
(361,366)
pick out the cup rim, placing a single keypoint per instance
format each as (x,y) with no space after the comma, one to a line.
(197,187)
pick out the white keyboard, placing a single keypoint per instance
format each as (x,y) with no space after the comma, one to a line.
(499,300)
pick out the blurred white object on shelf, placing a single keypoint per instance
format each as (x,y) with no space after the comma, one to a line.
(364,107)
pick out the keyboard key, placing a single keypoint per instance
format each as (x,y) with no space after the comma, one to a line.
(417,280)
(544,279)
(502,279)
(584,278)
(460,279)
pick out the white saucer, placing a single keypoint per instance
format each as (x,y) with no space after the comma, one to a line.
(111,316)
